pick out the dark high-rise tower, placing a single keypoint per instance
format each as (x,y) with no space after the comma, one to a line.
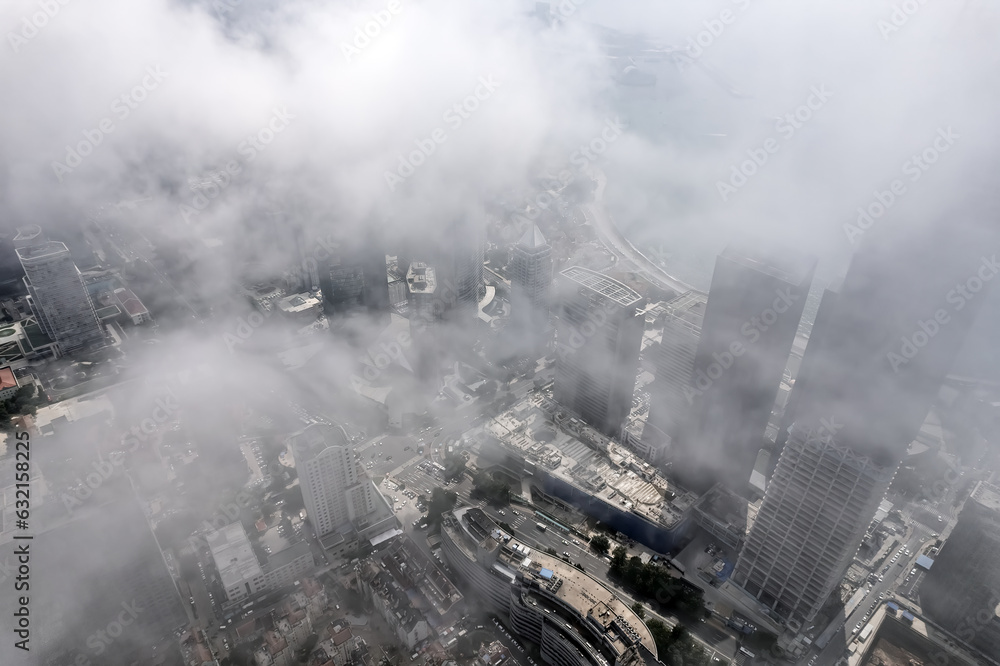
(355,278)
(597,347)
(876,358)
(753,314)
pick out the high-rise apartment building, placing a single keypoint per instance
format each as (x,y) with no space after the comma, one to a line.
(754,307)
(354,279)
(818,506)
(340,500)
(961,592)
(597,347)
(58,297)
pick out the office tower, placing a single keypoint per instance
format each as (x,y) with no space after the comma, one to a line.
(339,497)
(531,271)
(876,358)
(671,393)
(531,277)
(58,297)
(961,592)
(818,506)
(597,345)
(354,279)
(753,314)
(459,261)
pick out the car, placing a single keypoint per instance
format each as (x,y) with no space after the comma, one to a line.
(502,512)
(565,543)
(913,571)
(881,595)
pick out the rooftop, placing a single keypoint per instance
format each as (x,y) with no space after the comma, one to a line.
(49,248)
(614,475)
(234,557)
(586,595)
(786,265)
(130,302)
(987,495)
(421,278)
(532,239)
(602,284)
(7,378)
(314,439)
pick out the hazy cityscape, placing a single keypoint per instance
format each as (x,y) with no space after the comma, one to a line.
(416,333)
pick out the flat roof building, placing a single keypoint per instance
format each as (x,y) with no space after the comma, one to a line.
(597,347)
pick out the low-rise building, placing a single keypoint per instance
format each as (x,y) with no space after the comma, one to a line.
(242,573)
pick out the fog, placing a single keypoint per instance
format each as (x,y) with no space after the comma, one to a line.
(234,138)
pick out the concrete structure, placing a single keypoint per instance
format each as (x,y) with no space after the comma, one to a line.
(961,592)
(577,465)
(753,312)
(8,383)
(28,236)
(58,297)
(302,308)
(241,572)
(132,306)
(421,282)
(341,502)
(817,509)
(671,395)
(597,347)
(573,618)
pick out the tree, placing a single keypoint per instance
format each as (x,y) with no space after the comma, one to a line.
(618,559)
(441,502)
(600,544)
(639,610)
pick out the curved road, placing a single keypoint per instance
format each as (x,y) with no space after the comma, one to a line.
(598,216)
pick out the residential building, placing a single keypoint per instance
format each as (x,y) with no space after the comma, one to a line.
(341,502)
(597,347)
(8,383)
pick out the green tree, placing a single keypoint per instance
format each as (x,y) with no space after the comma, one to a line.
(639,610)
(600,544)
(441,502)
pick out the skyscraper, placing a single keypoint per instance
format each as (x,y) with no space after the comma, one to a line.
(531,271)
(961,592)
(876,358)
(754,307)
(817,509)
(531,278)
(673,357)
(597,347)
(354,279)
(58,297)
